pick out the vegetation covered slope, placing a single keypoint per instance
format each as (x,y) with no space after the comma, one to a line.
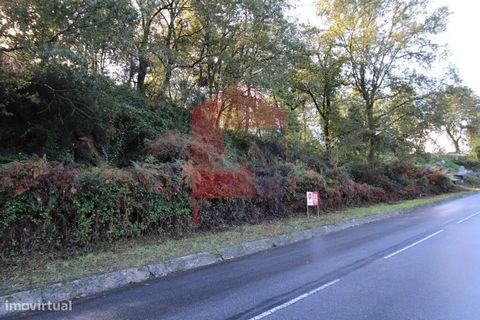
(97,98)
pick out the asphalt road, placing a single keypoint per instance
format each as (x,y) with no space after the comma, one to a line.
(423,265)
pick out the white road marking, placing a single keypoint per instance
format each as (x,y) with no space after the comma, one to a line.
(295,300)
(413,244)
(468,218)
(305,295)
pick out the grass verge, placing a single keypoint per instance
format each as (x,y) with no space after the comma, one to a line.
(34,272)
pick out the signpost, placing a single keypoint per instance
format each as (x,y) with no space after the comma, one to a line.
(313,201)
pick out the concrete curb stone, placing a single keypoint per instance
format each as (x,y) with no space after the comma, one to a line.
(29,296)
(286,239)
(157,270)
(192,261)
(99,283)
(245,249)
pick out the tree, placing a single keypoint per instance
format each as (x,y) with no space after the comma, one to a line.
(79,33)
(163,36)
(247,41)
(384,41)
(319,78)
(458,114)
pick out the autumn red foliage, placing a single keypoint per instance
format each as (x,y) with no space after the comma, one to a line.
(238,108)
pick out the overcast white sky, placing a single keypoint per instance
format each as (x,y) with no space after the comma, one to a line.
(462,35)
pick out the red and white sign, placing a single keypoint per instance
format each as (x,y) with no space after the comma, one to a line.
(312,199)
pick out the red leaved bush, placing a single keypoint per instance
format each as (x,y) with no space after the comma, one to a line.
(24,176)
(160,180)
(48,204)
(167,146)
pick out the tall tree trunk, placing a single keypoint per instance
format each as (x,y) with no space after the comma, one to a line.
(304,128)
(143,59)
(372,152)
(372,140)
(170,45)
(455,141)
(166,81)
(457,146)
(326,133)
(131,73)
(326,126)
(142,74)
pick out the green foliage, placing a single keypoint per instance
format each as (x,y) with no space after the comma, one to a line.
(457,112)
(59,109)
(75,32)
(104,91)
(382,42)
(473,179)
(42,210)
(48,206)
(476,152)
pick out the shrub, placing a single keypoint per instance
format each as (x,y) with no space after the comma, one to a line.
(167,147)
(439,183)
(57,109)
(472,179)
(46,206)
(49,206)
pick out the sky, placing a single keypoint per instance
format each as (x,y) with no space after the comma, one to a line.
(462,39)
(461,36)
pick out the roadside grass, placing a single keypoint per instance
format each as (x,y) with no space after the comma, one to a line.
(39,271)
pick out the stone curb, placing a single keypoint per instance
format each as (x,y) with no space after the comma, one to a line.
(99,283)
